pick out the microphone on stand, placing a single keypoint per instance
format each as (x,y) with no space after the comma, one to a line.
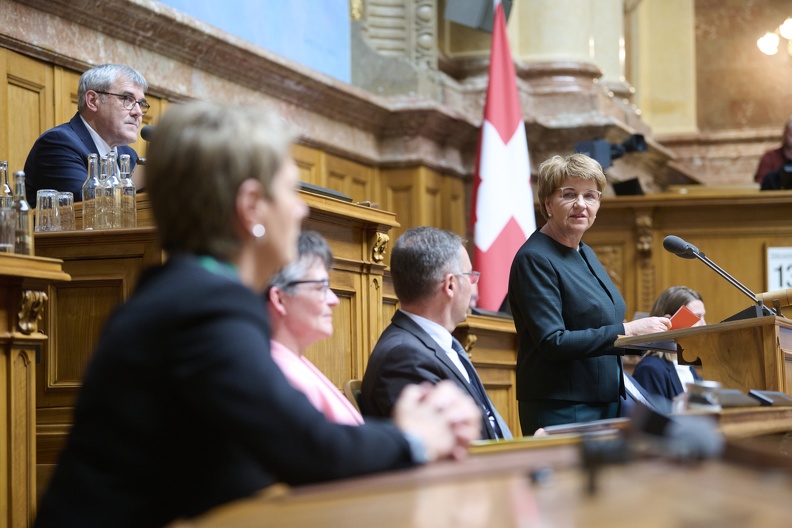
(677,246)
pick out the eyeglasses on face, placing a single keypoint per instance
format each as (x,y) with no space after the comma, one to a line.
(570,194)
(474,276)
(323,285)
(129,101)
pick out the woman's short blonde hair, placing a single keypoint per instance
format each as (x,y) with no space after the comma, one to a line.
(558,169)
(198,156)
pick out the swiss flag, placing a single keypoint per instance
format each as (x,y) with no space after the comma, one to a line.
(503,204)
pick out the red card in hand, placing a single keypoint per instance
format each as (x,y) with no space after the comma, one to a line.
(684,318)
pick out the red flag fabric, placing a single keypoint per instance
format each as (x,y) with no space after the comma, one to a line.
(503,206)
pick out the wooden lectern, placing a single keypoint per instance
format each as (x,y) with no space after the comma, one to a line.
(747,354)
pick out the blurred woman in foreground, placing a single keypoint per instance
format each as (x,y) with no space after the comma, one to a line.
(182,407)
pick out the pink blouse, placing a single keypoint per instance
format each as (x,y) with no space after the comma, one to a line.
(306,378)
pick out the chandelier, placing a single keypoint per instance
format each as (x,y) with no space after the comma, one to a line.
(769,43)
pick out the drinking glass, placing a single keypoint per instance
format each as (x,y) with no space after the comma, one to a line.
(66,210)
(7,229)
(47,218)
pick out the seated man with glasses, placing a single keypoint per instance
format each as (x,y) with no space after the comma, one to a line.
(301,313)
(110,109)
(433,280)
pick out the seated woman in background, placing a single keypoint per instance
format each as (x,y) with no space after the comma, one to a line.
(658,372)
(301,313)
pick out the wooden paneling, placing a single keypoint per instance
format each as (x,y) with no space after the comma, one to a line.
(310,162)
(354,179)
(27,109)
(421,196)
(455,205)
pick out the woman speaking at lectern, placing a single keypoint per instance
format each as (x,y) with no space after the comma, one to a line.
(567,311)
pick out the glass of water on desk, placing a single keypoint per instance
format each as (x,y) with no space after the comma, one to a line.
(7,229)
(47,218)
(66,210)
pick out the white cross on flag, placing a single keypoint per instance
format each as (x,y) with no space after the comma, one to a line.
(503,204)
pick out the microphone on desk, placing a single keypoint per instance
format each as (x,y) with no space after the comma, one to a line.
(677,246)
(146,132)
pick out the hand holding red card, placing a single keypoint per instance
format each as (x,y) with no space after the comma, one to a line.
(684,318)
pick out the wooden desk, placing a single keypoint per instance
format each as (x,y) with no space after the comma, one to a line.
(23,297)
(495,490)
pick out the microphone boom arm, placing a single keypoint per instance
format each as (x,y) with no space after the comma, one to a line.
(737,284)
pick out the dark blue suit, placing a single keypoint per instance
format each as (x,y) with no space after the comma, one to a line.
(659,376)
(567,313)
(59,159)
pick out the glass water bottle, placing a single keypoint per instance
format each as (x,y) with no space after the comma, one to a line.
(23,239)
(112,194)
(89,190)
(6,194)
(128,194)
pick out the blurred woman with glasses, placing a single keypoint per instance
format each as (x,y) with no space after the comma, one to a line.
(301,313)
(567,311)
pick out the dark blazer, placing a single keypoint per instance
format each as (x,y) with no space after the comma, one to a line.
(659,376)
(59,159)
(654,401)
(567,313)
(405,354)
(182,408)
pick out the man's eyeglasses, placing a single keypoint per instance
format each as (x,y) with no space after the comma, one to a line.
(474,276)
(129,101)
(570,194)
(324,285)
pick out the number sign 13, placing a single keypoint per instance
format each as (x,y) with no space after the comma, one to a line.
(779,268)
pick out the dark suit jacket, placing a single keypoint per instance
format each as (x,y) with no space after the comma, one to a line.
(182,408)
(59,159)
(567,313)
(405,355)
(659,376)
(654,401)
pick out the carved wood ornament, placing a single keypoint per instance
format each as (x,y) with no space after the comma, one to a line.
(30,311)
(380,245)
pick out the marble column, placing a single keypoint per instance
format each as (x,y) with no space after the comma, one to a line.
(608,46)
(664,64)
(552,40)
